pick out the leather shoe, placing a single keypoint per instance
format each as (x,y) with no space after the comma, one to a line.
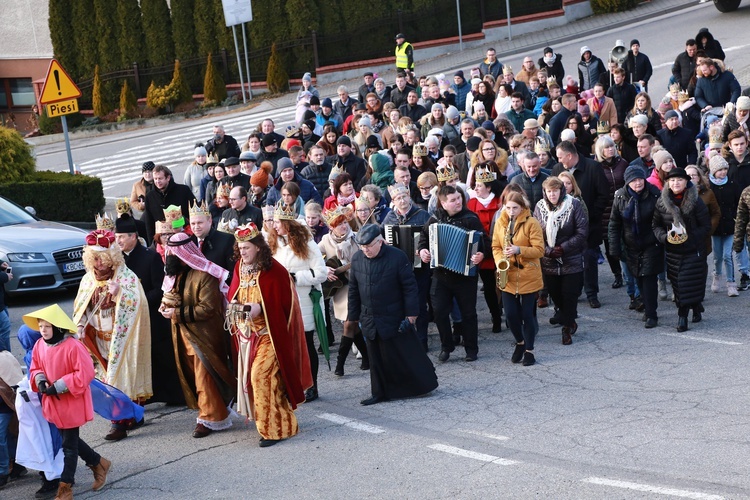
(594,303)
(116,434)
(528,358)
(542,302)
(618,282)
(132,424)
(470,357)
(48,489)
(265,443)
(443,356)
(201,431)
(311,394)
(372,400)
(651,322)
(697,316)
(682,324)
(518,353)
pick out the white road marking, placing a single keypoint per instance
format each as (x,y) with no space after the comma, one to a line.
(485,434)
(350,422)
(647,488)
(701,339)
(591,318)
(472,454)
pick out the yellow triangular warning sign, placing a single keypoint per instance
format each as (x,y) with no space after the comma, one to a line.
(58,86)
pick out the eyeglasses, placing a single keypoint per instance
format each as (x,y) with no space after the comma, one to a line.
(488,149)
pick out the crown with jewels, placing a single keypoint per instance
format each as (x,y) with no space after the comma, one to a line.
(122,205)
(336,216)
(246,232)
(446,173)
(397,190)
(163,228)
(603,127)
(223,190)
(675,87)
(198,208)
(507,70)
(173,216)
(419,149)
(683,96)
(715,136)
(105,222)
(541,146)
(284,212)
(484,175)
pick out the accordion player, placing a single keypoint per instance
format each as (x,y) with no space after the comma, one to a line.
(452,247)
(405,238)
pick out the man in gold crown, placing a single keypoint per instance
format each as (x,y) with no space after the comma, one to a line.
(123,206)
(193,289)
(216,246)
(111,312)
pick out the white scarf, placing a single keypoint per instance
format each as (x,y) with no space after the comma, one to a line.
(486,201)
(556,218)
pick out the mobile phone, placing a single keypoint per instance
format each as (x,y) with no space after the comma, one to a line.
(8,269)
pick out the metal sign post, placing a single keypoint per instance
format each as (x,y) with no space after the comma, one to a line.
(67,144)
(239,12)
(239,64)
(247,63)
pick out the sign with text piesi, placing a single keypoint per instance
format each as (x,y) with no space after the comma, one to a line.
(58,86)
(237,12)
(62,108)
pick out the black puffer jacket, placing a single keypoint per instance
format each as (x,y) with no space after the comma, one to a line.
(727,196)
(686,262)
(614,171)
(712,47)
(642,252)
(571,236)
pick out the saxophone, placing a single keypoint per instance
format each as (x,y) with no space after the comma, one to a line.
(504,264)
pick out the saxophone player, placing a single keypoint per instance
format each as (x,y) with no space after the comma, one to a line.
(518,240)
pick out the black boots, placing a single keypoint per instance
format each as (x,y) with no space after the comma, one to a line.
(682,324)
(344,348)
(346,345)
(359,341)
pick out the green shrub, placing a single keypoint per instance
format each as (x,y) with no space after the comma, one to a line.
(58,196)
(99,100)
(214,89)
(16,161)
(277,78)
(49,125)
(606,6)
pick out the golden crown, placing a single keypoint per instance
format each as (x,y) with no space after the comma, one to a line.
(419,149)
(603,127)
(267,211)
(198,208)
(675,87)
(683,96)
(223,190)
(122,205)
(507,69)
(397,190)
(336,171)
(163,228)
(551,79)
(541,146)
(173,216)
(484,175)
(446,173)
(284,212)
(246,232)
(336,216)
(104,222)
(715,136)
(212,159)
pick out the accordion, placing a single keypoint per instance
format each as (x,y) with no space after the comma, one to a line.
(406,239)
(451,247)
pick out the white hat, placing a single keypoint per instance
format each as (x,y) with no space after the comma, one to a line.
(436,131)
(476,81)
(585,49)
(567,135)
(743,103)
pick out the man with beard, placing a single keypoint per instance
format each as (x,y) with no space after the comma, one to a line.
(193,302)
(149,268)
(167,192)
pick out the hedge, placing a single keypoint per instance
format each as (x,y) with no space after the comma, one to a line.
(58,196)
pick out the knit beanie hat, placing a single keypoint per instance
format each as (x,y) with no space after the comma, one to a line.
(743,103)
(583,108)
(261,176)
(200,151)
(660,157)
(634,172)
(717,163)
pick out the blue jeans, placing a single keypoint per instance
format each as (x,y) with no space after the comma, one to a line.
(7,444)
(631,284)
(722,247)
(743,259)
(4,330)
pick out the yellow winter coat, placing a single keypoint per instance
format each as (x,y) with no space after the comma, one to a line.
(525,272)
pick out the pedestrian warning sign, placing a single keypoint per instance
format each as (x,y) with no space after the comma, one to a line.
(58,86)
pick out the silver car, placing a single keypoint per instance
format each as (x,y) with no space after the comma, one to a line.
(44,255)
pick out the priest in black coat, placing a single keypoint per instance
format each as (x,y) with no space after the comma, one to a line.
(148,266)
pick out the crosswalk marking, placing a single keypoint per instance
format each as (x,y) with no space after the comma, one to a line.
(352,423)
(472,454)
(647,488)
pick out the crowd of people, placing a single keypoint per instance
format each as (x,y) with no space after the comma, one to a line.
(384,211)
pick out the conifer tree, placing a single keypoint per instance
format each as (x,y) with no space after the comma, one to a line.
(205,28)
(84,34)
(128,102)
(60,28)
(214,88)
(277,78)
(180,83)
(130,36)
(185,44)
(99,103)
(157,26)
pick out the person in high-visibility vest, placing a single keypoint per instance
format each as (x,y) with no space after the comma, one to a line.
(404,54)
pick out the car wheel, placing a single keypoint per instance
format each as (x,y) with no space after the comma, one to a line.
(727,5)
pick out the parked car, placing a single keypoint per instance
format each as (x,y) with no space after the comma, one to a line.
(44,255)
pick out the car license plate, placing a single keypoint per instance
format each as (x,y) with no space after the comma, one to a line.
(73,266)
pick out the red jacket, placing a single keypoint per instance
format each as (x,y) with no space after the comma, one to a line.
(485,214)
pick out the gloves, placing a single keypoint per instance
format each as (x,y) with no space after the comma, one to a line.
(51,391)
(556,252)
(42,386)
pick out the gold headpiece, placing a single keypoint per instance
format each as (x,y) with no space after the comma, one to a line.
(336,216)
(122,205)
(173,216)
(541,146)
(223,190)
(677,234)
(446,173)
(212,159)
(246,232)
(715,136)
(603,127)
(419,149)
(198,208)
(551,79)
(683,96)
(397,190)
(163,228)
(105,222)
(267,211)
(284,212)
(675,87)
(484,175)
(336,171)
(507,69)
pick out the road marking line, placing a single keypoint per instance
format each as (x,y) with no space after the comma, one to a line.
(701,339)
(472,454)
(651,489)
(591,318)
(485,434)
(350,422)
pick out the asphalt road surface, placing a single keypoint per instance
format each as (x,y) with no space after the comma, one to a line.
(624,412)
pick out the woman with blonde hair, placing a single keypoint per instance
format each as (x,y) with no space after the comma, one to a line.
(292,245)
(518,240)
(488,151)
(364,131)
(643,106)
(436,118)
